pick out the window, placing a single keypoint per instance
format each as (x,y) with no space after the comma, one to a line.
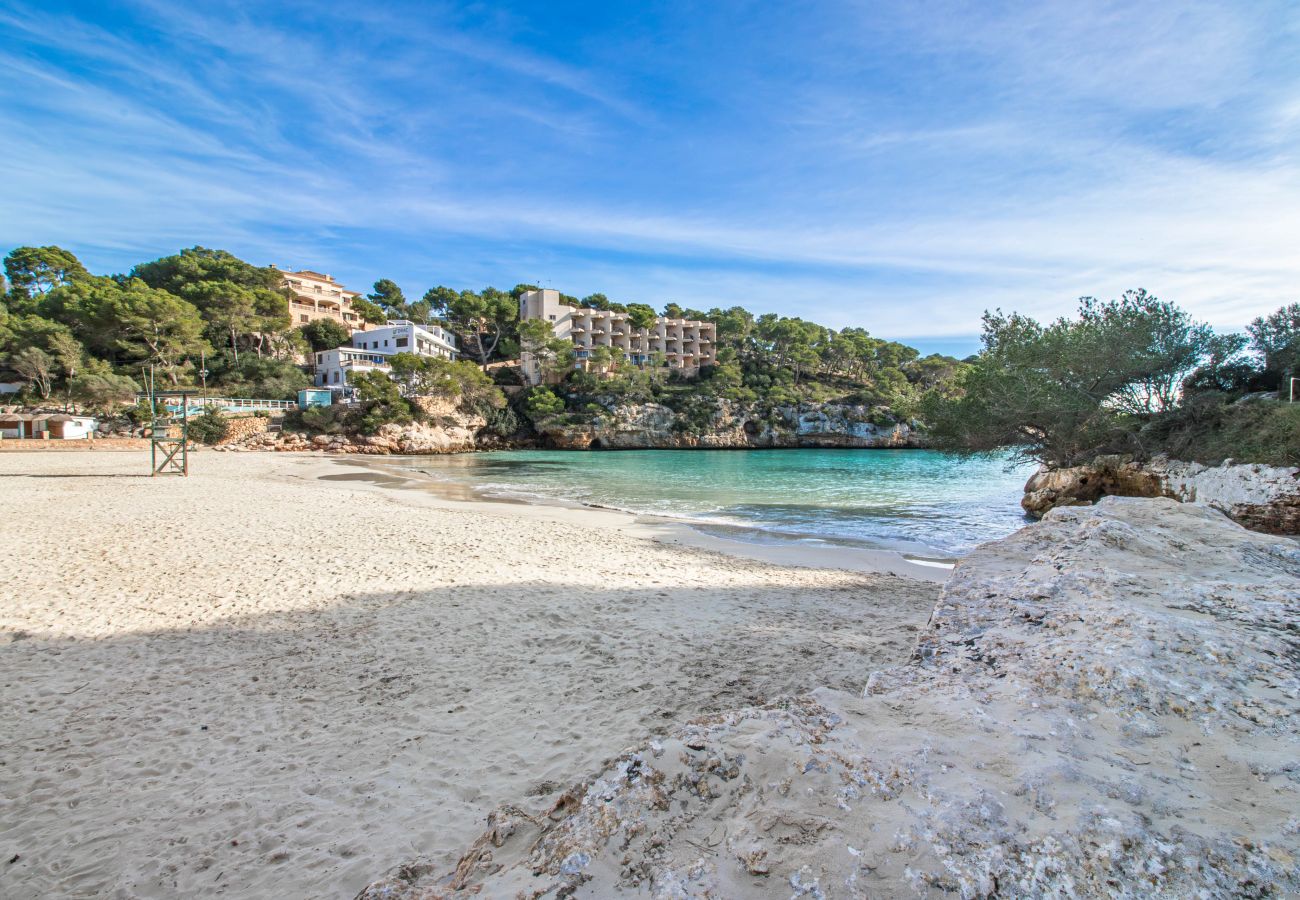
(400,342)
(336,376)
(303,316)
(385,342)
(551,317)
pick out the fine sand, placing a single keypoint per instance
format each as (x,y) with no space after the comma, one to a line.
(259,682)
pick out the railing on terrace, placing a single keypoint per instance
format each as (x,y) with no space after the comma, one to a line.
(226,404)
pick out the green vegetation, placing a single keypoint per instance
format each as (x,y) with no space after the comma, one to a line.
(767,360)
(209,426)
(1135,376)
(384,400)
(76,338)
(324,334)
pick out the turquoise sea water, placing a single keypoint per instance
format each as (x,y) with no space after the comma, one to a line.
(914,500)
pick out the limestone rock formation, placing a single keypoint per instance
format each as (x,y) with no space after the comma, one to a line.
(1263,498)
(417,438)
(725,425)
(1104,704)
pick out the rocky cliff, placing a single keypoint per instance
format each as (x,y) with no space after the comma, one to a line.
(715,425)
(446,430)
(1104,704)
(1263,498)
(724,425)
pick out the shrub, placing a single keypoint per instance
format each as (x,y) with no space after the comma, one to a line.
(1208,429)
(541,403)
(502,422)
(209,426)
(320,419)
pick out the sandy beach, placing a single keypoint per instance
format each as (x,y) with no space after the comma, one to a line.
(259,681)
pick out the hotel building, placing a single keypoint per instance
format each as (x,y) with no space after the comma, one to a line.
(686,344)
(371,349)
(317,296)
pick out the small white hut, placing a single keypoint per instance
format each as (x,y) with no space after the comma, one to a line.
(46,426)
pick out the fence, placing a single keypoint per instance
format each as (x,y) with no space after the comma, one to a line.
(225,404)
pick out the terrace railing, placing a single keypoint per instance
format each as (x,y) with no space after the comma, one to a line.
(224,404)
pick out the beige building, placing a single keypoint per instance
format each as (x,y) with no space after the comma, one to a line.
(685,344)
(317,296)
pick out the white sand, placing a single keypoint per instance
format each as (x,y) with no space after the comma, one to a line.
(255,683)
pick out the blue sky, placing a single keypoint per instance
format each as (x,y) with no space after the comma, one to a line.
(900,166)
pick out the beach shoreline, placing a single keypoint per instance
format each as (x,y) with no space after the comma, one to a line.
(664,529)
(260,680)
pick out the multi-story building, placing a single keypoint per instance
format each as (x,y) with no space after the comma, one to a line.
(333,366)
(370,351)
(318,296)
(404,336)
(684,344)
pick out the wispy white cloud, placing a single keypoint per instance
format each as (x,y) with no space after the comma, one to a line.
(930,167)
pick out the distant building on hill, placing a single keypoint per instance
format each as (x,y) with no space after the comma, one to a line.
(318,296)
(684,344)
(370,350)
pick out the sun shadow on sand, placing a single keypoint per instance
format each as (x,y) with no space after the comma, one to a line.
(300,754)
(73,475)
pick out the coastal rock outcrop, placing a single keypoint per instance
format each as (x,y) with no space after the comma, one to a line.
(1105,703)
(1262,498)
(725,425)
(416,438)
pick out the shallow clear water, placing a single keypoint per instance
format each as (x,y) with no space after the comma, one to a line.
(918,500)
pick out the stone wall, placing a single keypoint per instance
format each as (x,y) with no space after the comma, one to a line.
(242,428)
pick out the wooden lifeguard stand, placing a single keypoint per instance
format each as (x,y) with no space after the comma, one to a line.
(169,434)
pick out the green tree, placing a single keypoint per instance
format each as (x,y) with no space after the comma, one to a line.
(460,380)
(99,388)
(1066,392)
(555,355)
(263,377)
(1276,338)
(370,313)
(483,319)
(240,303)
(89,308)
(156,327)
(599,359)
(641,315)
(381,399)
(35,271)
(389,297)
(36,368)
(324,334)
(541,403)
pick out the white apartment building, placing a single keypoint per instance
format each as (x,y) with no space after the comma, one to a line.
(333,366)
(371,349)
(686,344)
(403,336)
